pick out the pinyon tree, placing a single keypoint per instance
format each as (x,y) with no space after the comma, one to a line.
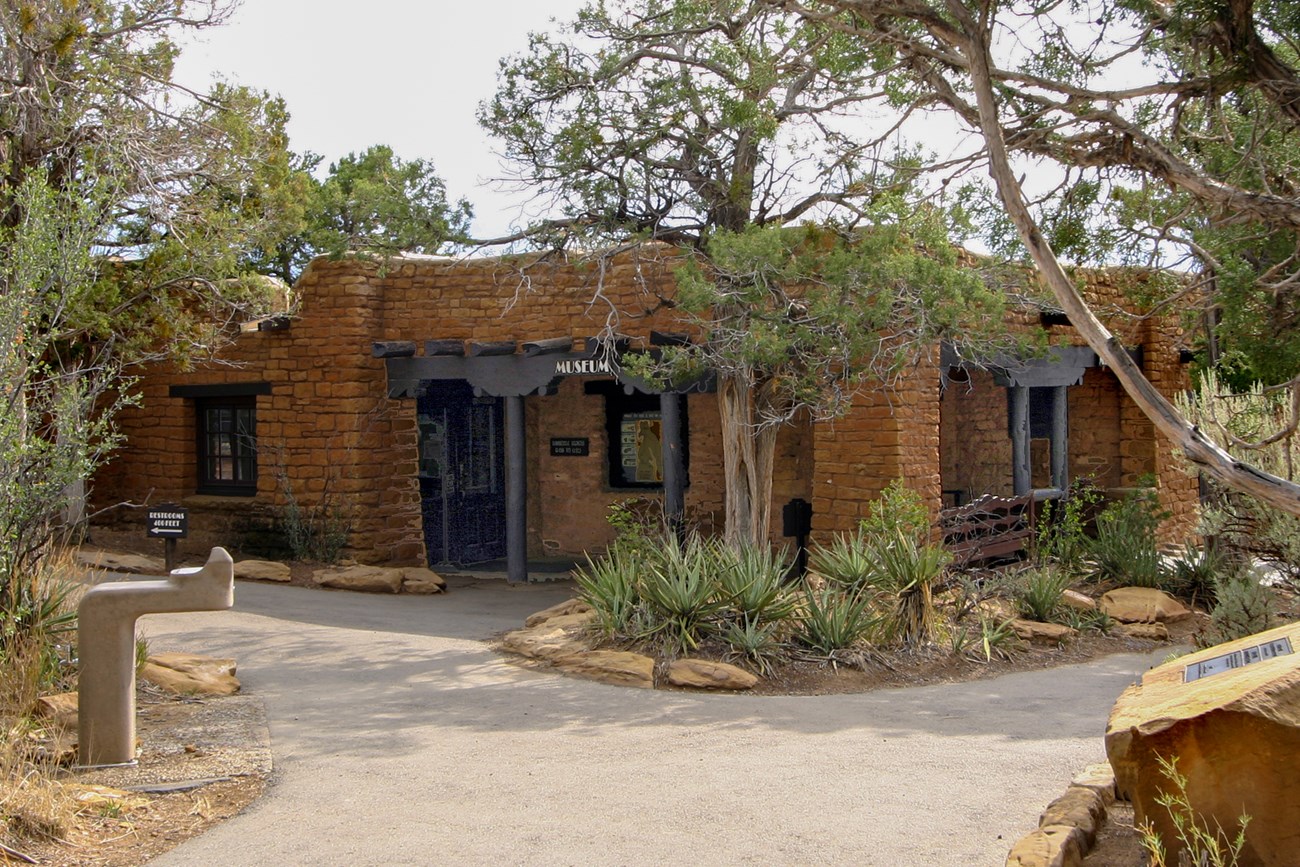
(727,131)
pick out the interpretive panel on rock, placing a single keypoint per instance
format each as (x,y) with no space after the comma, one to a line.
(1237,659)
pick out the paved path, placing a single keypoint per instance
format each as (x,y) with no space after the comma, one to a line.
(399,738)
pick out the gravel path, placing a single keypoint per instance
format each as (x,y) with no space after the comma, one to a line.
(399,738)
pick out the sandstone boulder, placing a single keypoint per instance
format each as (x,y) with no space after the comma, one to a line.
(1143,605)
(128,564)
(261,570)
(1052,846)
(1043,633)
(364,579)
(1079,807)
(706,674)
(1235,733)
(544,642)
(1078,601)
(1145,631)
(618,667)
(417,579)
(61,709)
(190,674)
(1100,778)
(569,606)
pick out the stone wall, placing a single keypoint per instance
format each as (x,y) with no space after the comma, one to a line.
(328,429)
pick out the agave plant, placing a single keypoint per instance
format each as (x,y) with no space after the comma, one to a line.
(681,592)
(835,619)
(609,586)
(848,561)
(905,572)
(752,583)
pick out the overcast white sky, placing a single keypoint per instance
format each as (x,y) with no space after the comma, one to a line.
(398,72)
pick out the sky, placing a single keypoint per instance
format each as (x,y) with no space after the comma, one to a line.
(403,73)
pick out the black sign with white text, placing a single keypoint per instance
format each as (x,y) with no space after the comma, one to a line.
(570,447)
(167,522)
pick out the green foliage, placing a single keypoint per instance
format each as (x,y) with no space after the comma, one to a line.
(609,586)
(1194,574)
(1038,592)
(1251,423)
(832,619)
(998,639)
(679,589)
(316,531)
(847,560)
(1199,843)
(1124,550)
(751,584)
(756,642)
(373,202)
(898,510)
(906,571)
(1062,538)
(1243,607)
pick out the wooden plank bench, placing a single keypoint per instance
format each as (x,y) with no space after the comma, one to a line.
(988,528)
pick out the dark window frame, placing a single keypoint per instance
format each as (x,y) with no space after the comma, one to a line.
(618,406)
(234,444)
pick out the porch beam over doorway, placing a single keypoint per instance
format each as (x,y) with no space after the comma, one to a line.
(516,491)
(670,414)
(1060,438)
(1021,479)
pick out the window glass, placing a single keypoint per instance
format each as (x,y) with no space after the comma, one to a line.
(227,445)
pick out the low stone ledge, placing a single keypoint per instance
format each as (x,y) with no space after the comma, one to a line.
(707,674)
(1068,827)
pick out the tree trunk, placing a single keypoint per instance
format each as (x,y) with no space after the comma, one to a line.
(748,450)
(1199,450)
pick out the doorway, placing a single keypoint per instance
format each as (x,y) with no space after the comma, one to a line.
(462,483)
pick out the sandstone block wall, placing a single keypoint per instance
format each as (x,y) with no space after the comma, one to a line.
(329,431)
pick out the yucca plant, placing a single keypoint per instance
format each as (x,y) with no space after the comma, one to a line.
(848,561)
(905,572)
(998,638)
(755,642)
(751,583)
(1038,593)
(834,619)
(609,586)
(681,592)
(1124,550)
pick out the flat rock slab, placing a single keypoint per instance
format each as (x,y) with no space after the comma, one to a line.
(262,570)
(1235,733)
(568,606)
(61,709)
(189,674)
(1145,631)
(128,564)
(1052,846)
(363,579)
(545,642)
(1078,601)
(1043,633)
(707,674)
(618,667)
(417,579)
(1143,605)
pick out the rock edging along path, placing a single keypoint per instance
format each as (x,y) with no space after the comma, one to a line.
(400,737)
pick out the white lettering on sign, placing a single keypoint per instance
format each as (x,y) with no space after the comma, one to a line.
(583,366)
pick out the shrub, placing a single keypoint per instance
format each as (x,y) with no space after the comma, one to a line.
(37,607)
(906,571)
(1194,572)
(848,561)
(755,642)
(680,591)
(1062,537)
(898,509)
(1244,607)
(751,583)
(1202,845)
(1124,551)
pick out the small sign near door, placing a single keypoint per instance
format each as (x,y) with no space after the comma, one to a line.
(570,447)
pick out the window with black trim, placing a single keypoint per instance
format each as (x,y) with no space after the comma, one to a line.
(227,445)
(634,427)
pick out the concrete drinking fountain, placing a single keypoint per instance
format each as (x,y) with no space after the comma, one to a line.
(106,644)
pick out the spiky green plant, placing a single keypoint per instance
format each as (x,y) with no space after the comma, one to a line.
(847,561)
(905,573)
(755,642)
(834,619)
(681,591)
(609,586)
(752,583)
(1038,592)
